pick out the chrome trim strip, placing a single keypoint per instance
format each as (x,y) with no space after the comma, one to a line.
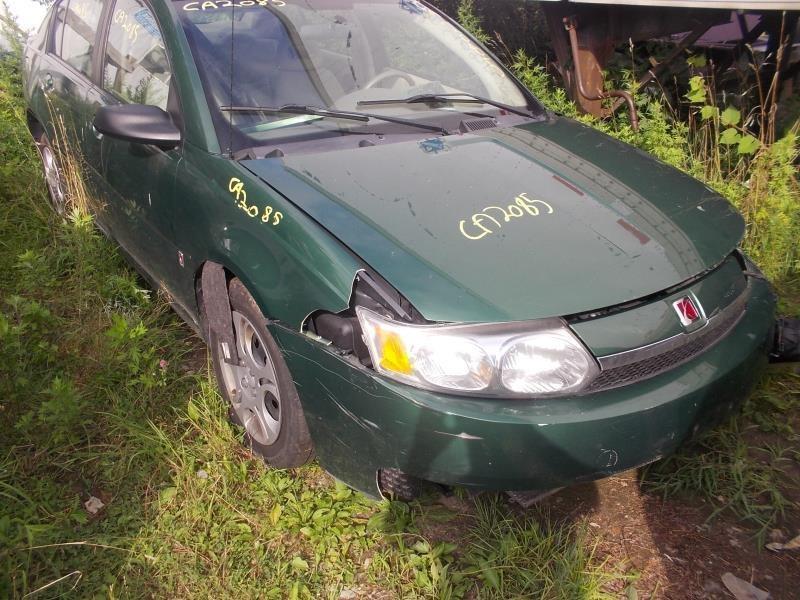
(628,357)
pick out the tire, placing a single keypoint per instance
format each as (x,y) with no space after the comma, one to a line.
(56,190)
(260,391)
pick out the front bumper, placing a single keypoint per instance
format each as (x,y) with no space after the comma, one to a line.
(361,422)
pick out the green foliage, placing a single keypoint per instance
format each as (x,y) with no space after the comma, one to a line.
(534,557)
(10,31)
(730,116)
(698,61)
(470,21)
(536,79)
(697,90)
(709,112)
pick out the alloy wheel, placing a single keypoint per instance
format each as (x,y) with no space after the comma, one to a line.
(252,384)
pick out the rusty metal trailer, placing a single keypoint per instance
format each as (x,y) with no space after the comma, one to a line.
(584,34)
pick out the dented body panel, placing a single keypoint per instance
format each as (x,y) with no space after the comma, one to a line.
(291,265)
(361,422)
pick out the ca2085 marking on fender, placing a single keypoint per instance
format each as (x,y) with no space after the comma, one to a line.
(492,218)
(268,216)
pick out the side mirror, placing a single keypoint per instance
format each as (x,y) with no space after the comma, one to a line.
(138,123)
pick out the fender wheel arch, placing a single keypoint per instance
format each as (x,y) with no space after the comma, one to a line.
(258,364)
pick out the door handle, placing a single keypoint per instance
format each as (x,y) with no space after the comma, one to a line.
(47,83)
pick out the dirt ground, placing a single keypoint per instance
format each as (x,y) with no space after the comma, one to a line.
(677,554)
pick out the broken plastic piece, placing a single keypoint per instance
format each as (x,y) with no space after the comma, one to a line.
(787,341)
(793,544)
(742,590)
(528,498)
(93,505)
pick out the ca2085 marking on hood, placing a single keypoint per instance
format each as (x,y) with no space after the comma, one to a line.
(484,223)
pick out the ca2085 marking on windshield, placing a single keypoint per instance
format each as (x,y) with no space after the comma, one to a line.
(269,214)
(215,4)
(492,218)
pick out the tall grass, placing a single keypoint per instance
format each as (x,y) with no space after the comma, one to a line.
(78,201)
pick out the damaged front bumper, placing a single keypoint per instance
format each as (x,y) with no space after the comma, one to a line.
(361,422)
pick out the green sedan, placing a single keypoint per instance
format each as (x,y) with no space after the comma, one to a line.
(402,263)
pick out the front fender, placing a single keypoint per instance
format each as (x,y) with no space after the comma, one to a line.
(290,264)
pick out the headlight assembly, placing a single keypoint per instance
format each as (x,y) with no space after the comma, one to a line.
(538,358)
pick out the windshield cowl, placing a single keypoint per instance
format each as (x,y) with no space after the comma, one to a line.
(355,135)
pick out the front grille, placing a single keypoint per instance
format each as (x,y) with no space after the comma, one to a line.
(675,351)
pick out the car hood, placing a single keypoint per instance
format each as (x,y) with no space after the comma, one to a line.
(550,218)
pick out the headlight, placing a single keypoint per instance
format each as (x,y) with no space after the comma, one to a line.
(539,358)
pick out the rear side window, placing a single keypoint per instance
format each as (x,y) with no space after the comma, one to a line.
(136,67)
(79,33)
(58,27)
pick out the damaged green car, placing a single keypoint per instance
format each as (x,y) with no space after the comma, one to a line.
(402,263)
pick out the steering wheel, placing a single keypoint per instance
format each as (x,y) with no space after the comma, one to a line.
(390,72)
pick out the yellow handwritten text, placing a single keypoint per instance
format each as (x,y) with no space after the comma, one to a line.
(127,25)
(215,4)
(269,216)
(492,218)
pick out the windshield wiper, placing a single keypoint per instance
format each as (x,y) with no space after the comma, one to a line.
(296,109)
(446,98)
(303,109)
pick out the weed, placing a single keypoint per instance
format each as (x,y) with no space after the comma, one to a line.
(470,21)
(732,468)
(534,557)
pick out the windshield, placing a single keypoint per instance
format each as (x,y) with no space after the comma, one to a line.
(333,54)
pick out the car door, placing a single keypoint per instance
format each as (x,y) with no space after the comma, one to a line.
(65,74)
(139,179)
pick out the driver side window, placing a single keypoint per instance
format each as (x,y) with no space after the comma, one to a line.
(136,68)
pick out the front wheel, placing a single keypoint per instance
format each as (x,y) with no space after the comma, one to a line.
(262,396)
